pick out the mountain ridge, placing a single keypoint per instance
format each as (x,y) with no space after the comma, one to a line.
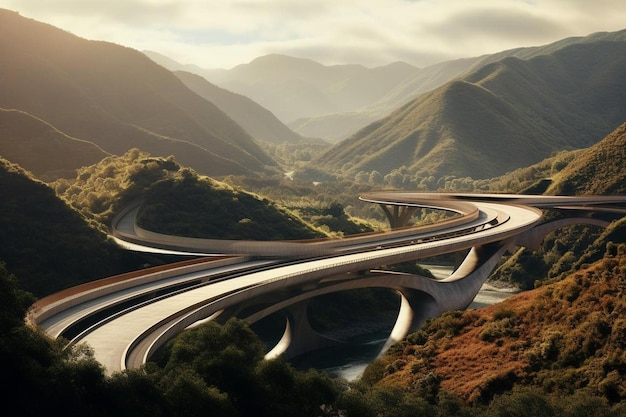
(332,123)
(292,87)
(522,109)
(42,149)
(255,119)
(118,99)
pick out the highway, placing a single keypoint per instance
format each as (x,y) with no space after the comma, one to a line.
(126,321)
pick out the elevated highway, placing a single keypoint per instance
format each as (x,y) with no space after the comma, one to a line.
(126,319)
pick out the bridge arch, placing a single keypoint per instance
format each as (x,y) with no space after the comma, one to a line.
(421,298)
(489,224)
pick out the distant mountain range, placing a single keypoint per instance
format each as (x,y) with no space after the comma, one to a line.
(116,98)
(478,117)
(298,90)
(504,115)
(254,118)
(333,102)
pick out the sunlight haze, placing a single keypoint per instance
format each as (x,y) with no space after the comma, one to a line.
(223,34)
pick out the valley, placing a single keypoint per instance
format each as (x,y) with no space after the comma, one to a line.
(279,149)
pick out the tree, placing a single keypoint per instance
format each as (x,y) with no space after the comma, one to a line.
(376,178)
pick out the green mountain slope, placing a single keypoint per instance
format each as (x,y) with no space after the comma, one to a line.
(48,245)
(436,75)
(255,119)
(41,148)
(118,99)
(506,115)
(177,201)
(600,169)
(337,126)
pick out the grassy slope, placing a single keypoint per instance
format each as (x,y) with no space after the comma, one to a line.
(601,169)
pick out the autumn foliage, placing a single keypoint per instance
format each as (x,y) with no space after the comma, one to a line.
(560,338)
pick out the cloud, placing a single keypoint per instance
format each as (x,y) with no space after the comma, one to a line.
(216,33)
(128,11)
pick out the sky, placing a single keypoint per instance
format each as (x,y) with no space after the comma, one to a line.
(226,33)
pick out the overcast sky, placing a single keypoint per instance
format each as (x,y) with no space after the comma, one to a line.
(225,33)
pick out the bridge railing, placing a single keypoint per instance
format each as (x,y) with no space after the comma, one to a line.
(48,306)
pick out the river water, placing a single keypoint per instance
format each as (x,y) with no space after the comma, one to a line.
(349,361)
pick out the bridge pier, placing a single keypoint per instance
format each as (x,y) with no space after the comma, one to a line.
(421,298)
(299,337)
(424,298)
(398,215)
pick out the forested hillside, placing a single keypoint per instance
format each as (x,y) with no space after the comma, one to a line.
(54,241)
(177,200)
(48,245)
(598,169)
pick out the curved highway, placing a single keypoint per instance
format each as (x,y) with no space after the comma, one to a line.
(126,320)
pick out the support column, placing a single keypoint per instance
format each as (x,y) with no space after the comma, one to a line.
(299,337)
(399,215)
(415,307)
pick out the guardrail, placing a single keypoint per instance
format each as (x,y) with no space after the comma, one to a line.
(48,306)
(281,248)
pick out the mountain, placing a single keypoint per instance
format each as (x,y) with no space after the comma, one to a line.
(118,99)
(339,126)
(41,148)
(599,169)
(294,88)
(171,64)
(333,102)
(255,119)
(505,115)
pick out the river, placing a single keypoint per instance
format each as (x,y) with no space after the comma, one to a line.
(349,361)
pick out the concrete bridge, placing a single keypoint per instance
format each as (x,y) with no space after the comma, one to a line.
(137,314)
